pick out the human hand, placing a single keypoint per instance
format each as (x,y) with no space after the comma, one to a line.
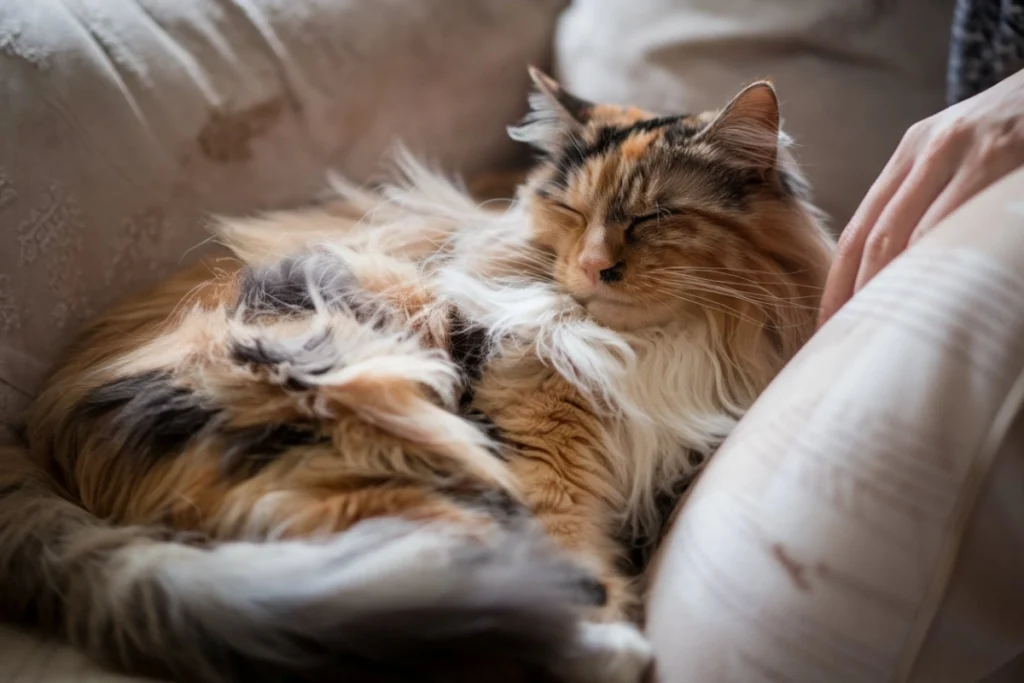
(941,162)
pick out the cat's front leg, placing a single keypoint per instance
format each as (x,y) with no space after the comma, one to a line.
(610,648)
(556,451)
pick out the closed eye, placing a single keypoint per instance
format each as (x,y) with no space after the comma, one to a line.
(566,207)
(661,212)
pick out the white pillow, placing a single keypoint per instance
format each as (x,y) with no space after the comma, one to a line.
(852,75)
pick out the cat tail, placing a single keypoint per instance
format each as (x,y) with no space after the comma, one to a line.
(386,601)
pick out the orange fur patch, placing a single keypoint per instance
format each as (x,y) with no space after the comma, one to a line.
(636,145)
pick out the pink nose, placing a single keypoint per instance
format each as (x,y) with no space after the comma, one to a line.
(593,264)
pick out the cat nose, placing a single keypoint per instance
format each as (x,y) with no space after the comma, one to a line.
(594,265)
(613,274)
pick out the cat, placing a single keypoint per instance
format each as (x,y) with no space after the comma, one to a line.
(400,435)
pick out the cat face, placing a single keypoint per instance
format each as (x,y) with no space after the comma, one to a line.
(651,218)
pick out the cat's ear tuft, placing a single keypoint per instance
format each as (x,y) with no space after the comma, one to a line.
(574,109)
(554,113)
(748,127)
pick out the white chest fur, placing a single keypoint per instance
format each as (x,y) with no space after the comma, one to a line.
(666,390)
(673,409)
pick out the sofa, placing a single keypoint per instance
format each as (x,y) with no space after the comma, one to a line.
(838,536)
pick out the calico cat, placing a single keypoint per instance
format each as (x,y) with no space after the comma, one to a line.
(397,437)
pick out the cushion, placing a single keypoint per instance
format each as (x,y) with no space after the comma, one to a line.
(852,75)
(126,122)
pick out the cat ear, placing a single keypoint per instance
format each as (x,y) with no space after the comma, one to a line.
(554,112)
(748,127)
(567,105)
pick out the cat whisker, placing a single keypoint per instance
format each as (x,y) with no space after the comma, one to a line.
(753,298)
(737,271)
(710,304)
(770,310)
(678,278)
(727,278)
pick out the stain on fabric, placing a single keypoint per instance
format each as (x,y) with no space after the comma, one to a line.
(227,136)
(797,572)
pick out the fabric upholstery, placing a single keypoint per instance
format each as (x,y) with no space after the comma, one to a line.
(126,122)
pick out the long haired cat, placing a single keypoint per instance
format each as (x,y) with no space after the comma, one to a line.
(401,436)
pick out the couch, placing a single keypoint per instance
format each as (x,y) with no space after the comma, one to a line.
(126,123)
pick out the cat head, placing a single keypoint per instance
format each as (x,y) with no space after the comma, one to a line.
(652,218)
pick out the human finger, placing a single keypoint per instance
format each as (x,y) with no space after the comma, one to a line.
(970,179)
(891,233)
(842,276)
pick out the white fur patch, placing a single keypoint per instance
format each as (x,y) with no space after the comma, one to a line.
(611,653)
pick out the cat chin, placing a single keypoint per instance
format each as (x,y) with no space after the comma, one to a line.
(626,317)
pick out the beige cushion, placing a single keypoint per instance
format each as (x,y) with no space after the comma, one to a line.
(852,74)
(126,121)
(864,521)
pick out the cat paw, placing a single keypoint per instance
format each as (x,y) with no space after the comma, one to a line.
(610,653)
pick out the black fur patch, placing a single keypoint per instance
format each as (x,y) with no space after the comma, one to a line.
(315,356)
(257,353)
(641,550)
(609,137)
(732,183)
(282,288)
(501,506)
(575,154)
(293,284)
(469,351)
(680,134)
(250,449)
(500,448)
(150,413)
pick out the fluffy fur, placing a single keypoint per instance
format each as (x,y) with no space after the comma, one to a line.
(386,601)
(414,435)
